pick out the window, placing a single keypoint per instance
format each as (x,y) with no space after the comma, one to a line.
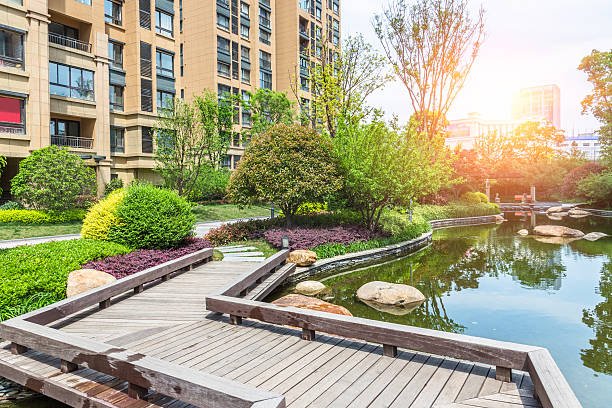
(265,60)
(336,30)
(74,82)
(144,8)
(264,18)
(226,162)
(318,13)
(112,11)
(12,115)
(181,15)
(265,36)
(164,100)
(265,80)
(68,133)
(223,69)
(244,9)
(164,63)
(223,45)
(236,161)
(223,21)
(304,86)
(181,59)
(245,54)
(305,5)
(116,97)
(245,75)
(244,31)
(117,139)
(63,31)
(147,139)
(163,23)
(236,140)
(11,48)
(115,53)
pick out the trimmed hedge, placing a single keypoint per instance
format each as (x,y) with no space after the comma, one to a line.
(34,276)
(102,216)
(40,216)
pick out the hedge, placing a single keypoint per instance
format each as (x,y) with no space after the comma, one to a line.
(40,216)
(33,276)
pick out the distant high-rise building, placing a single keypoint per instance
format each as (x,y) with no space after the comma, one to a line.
(538,103)
(465,132)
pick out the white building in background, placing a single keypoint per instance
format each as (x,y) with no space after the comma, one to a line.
(465,132)
(538,103)
(587,143)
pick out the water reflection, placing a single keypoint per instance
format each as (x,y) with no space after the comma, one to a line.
(599,356)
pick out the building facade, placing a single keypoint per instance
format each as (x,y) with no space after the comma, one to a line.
(91,75)
(586,143)
(538,103)
(465,132)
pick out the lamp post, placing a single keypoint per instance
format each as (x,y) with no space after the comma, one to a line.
(285,242)
(271,210)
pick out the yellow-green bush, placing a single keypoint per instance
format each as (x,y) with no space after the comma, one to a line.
(102,216)
(475,198)
(40,216)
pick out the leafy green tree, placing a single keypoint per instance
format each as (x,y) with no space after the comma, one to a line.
(382,167)
(2,166)
(598,67)
(597,188)
(52,178)
(269,108)
(288,166)
(216,115)
(431,45)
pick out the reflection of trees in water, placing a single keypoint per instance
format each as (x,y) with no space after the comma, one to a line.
(599,356)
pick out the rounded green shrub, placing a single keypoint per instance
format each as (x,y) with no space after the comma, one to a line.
(102,216)
(40,216)
(475,197)
(150,217)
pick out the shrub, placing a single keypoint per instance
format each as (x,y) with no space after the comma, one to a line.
(474,197)
(597,188)
(52,178)
(312,208)
(121,266)
(569,187)
(151,217)
(114,184)
(41,217)
(211,185)
(11,205)
(102,216)
(38,273)
(307,238)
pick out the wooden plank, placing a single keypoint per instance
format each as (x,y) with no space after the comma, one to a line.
(550,386)
(453,345)
(418,382)
(396,385)
(147,372)
(272,283)
(473,384)
(436,383)
(454,384)
(249,279)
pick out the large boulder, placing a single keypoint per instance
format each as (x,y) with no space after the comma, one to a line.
(83,280)
(390,294)
(302,257)
(554,210)
(557,231)
(578,212)
(594,236)
(310,288)
(310,303)
(523,232)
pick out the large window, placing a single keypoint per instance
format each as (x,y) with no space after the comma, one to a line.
(112,11)
(164,64)
(245,75)
(74,82)
(164,23)
(164,100)
(12,115)
(68,133)
(11,48)
(265,60)
(117,139)
(265,80)
(147,139)
(115,53)
(244,31)
(223,69)
(264,18)
(223,21)
(116,97)
(265,36)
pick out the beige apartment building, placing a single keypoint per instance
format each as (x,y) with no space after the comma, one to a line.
(91,75)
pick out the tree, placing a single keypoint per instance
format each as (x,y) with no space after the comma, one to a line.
(287,165)
(598,67)
(269,108)
(216,114)
(52,178)
(2,166)
(382,167)
(342,83)
(432,46)
(181,149)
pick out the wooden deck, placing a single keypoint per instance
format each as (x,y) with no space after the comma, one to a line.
(166,325)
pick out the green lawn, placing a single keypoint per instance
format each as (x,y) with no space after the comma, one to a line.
(224,212)
(18,230)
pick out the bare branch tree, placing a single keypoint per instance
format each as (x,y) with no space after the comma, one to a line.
(432,46)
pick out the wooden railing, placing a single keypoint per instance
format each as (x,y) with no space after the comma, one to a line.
(271,264)
(550,386)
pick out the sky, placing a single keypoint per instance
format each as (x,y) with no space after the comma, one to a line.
(528,43)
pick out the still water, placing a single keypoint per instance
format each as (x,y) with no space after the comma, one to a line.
(488,281)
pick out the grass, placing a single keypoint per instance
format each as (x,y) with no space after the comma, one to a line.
(224,212)
(18,230)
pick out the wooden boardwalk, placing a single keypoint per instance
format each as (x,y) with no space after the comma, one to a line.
(167,322)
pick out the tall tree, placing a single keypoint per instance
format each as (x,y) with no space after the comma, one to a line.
(216,116)
(269,108)
(181,148)
(342,82)
(598,67)
(432,46)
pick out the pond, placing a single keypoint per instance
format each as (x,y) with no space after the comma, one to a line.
(487,281)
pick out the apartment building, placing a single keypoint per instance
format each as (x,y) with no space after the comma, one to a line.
(92,75)
(537,103)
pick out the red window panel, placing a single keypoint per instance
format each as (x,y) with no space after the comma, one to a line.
(10,110)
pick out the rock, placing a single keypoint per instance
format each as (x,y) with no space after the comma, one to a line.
(499,219)
(523,232)
(555,240)
(83,280)
(561,214)
(557,231)
(554,210)
(310,303)
(555,217)
(310,288)
(594,236)
(302,257)
(390,294)
(578,212)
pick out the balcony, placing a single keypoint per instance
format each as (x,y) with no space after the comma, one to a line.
(72,142)
(69,42)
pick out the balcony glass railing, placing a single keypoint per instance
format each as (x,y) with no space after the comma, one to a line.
(69,42)
(73,142)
